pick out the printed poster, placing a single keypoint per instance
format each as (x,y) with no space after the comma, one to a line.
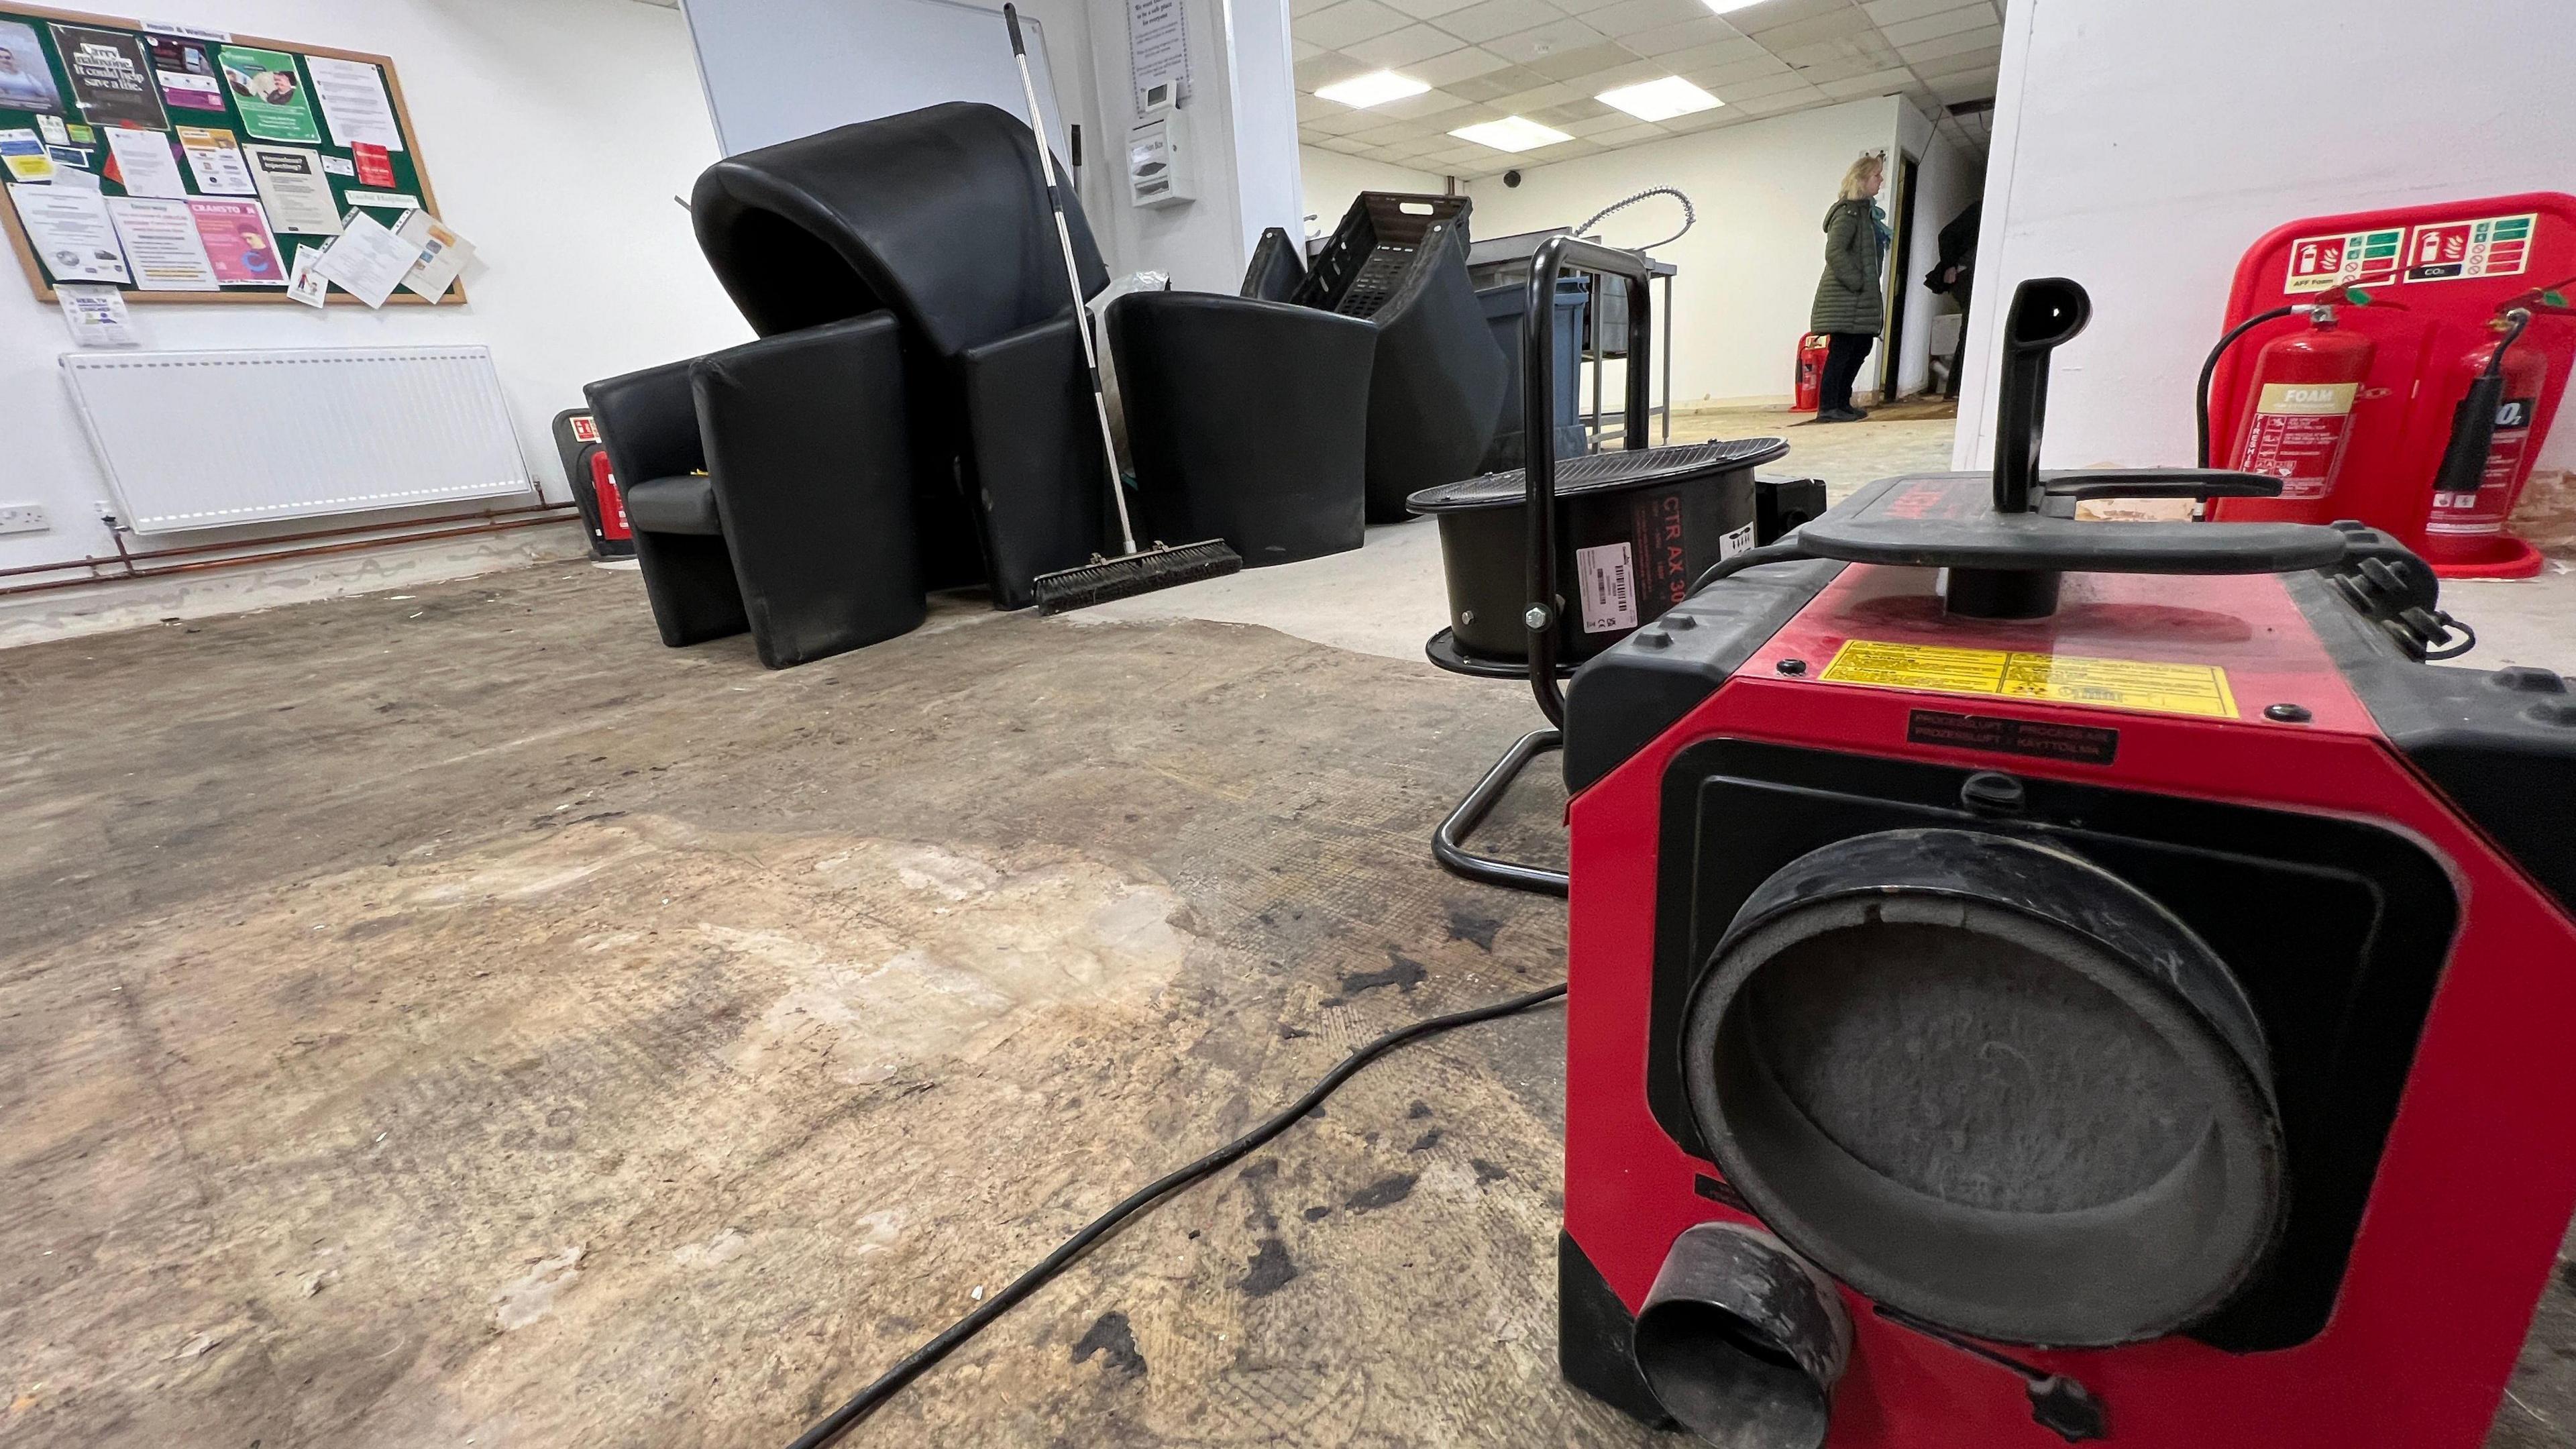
(353,99)
(69,229)
(111,77)
(26,82)
(95,312)
(238,241)
(24,153)
(368,260)
(161,240)
(305,285)
(216,158)
(443,254)
(55,132)
(341,166)
(145,164)
(187,73)
(296,190)
(375,165)
(270,92)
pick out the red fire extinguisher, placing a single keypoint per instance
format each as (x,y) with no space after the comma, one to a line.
(612,503)
(2489,457)
(1812,349)
(2298,412)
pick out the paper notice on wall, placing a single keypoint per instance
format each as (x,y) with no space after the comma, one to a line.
(295,190)
(270,93)
(395,201)
(352,94)
(375,164)
(111,77)
(24,153)
(95,313)
(53,130)
(1158,52)
(238,239)
(340,166)
(304,284)
(216,158)
(161,240)
(145,163)
(187,73)
(68,175)
(70,232)
(443,254)
(367,260)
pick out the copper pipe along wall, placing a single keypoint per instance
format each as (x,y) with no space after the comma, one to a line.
(125,559)
(493,523)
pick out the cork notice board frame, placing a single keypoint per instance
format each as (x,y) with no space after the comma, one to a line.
(189,81)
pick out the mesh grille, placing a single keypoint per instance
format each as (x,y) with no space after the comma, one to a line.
(1604,472)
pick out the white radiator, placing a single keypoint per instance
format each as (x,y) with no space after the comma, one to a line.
(209,439)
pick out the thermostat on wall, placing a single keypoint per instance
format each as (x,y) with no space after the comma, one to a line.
(1158,160)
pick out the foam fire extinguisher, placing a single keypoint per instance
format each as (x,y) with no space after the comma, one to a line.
(1812,351)
(2488,457)
(2298,412)
(612,503)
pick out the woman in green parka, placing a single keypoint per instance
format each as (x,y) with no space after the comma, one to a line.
(1850,305)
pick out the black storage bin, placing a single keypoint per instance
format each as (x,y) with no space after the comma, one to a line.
(1504,307)
(1633,530)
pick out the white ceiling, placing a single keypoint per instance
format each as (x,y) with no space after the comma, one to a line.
(1547,59)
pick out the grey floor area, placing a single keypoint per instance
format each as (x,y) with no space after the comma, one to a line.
(455,1019)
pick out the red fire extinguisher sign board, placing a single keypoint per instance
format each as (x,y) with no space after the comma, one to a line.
(2353,411)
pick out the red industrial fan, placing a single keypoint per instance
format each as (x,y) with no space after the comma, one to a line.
(2037,981)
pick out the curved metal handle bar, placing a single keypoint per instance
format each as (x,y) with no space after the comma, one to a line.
(1538,424)
(1449,842)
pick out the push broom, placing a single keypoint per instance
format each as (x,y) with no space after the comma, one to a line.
(1135,571)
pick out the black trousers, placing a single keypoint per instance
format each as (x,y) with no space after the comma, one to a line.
(1842,367)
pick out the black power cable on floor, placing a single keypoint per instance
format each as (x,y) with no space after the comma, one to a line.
(920,1360)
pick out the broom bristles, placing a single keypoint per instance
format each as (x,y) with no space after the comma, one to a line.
(1137,573)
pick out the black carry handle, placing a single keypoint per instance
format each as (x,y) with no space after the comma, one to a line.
(1538,425)
(2046,313)
(1011,18)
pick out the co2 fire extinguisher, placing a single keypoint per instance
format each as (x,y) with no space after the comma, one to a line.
(2298,413)
(2488,458)
(1812,351)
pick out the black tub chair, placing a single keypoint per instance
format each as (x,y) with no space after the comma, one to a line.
(1247,421)
(937,217)
(770,489)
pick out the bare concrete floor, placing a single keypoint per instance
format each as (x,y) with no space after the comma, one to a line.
(457,1019)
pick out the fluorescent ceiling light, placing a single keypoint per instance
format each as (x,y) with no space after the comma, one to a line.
(1511,133)
(1720,7)
(1660,100)
(1374,89)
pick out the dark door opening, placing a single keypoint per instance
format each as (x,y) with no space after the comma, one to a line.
(1900,214)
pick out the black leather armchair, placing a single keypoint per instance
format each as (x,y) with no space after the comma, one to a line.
(1247,421)
(937,217)
(770,489)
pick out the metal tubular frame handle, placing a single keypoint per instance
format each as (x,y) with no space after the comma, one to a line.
(1538,424)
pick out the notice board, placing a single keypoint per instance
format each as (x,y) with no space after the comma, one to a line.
(186,165)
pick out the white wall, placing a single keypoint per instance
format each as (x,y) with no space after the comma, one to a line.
(1945,181)
(2140,149)
(1332,179)
(1748,271)
(556,135)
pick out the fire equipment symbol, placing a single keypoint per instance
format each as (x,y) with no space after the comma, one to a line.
(2361,258)
(2495,246)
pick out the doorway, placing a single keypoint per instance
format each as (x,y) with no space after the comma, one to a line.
(1900,213)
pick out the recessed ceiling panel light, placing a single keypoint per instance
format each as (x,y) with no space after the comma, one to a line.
(1659,100)
(1511,133)
(1720,7)
(1374,89)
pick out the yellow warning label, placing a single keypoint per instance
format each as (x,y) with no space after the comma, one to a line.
(2198,689)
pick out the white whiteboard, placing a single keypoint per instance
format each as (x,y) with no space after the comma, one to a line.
(775,70)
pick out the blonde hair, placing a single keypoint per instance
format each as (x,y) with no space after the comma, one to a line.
(1854,181)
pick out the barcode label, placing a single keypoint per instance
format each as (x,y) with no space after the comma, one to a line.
(1735,543)
(1608,580)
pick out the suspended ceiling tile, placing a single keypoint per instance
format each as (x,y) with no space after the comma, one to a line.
(1965,63)
(1400,48)
(1946,22)
(1563,34)
(1877,83)
(1418,108)
(1457,65)
(1627,17)
(1897,12)
(1490,19)
(1772,15)
(1583,64)
(1433,9)
(1988,39)
(1681,35)
(1318,71)
(1353,20)
(1630,134)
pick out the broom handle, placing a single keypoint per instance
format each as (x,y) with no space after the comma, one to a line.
(1073,279)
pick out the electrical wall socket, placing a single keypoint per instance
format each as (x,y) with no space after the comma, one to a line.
(23,518)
